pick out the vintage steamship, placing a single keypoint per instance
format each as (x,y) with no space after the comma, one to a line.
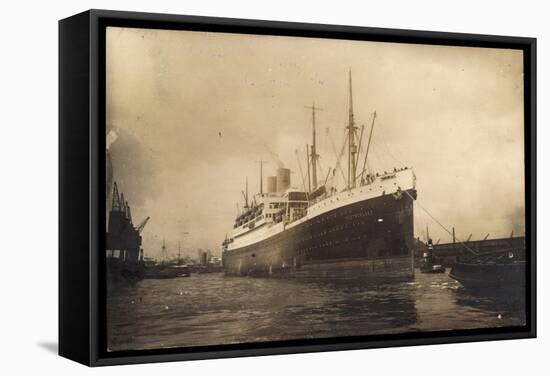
(365,229)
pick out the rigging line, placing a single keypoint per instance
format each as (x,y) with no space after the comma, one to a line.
(392,155)
(328,175)
(360,142)
(368,146)
(440,224)
(339,156)
(338,162)
(320,167)
(384,161)
(302,174)
(359,148)
(383,138)
(319,162)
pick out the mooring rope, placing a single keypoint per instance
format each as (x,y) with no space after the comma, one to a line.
(442,226)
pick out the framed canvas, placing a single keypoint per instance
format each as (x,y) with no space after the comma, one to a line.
(236,187)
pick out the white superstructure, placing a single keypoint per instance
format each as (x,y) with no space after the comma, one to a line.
(275,213)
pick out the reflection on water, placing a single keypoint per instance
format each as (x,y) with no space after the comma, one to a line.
(210,309)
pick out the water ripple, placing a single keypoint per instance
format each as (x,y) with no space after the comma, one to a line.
(210,309)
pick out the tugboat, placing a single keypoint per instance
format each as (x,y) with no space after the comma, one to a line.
(428,262)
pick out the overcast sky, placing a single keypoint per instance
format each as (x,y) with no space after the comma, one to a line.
(195,111)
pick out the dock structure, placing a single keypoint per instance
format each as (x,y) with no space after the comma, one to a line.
(123,237)
(449,253)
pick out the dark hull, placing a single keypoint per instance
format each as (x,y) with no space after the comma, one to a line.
(429,267)
(431,270)
(124,272)
(372,238)
(165,272)
(494,275)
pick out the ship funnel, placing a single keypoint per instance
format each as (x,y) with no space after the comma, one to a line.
(271,184)
(283,179)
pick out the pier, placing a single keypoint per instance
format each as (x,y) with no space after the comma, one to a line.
(449,253)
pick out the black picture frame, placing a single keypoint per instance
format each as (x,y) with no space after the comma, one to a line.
(82,287)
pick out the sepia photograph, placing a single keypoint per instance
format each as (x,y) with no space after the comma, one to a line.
(265,188)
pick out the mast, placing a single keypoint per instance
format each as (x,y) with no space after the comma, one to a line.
(352,147)
(313,156)
(245,194)
(302,173)
(261,177)
(308,172)
(163,250)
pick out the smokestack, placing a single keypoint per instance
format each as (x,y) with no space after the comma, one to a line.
(283,179)
(454,237)
(271,184)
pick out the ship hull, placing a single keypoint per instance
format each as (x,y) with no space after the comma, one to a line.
(493,275)
(124,272)
(370,238)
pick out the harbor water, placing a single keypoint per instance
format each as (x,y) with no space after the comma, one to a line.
(213,309)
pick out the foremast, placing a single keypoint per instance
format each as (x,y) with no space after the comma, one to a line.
(313,156)
(352,146)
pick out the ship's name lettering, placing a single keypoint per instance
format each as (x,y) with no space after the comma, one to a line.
(363,214)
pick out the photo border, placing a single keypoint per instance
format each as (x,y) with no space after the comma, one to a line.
(99,20)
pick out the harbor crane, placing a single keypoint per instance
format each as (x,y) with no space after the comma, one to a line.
(139,228)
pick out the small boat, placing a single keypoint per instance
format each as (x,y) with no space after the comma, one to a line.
(428,262)
(166,271)
(498,269)
(435,268)
(183,269)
